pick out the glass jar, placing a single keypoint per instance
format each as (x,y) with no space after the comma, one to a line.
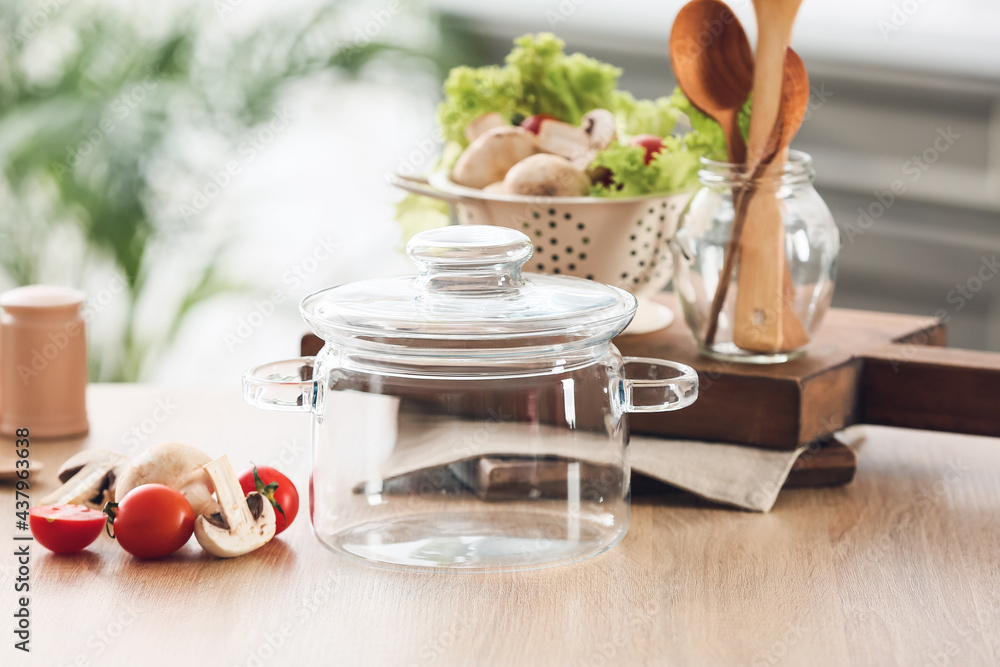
(472,418)
(781,269)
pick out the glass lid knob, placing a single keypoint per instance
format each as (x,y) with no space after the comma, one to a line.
(469,258)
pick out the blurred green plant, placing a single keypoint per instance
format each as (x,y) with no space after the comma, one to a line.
(91,100)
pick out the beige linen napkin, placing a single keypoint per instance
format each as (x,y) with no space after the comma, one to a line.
(746,477)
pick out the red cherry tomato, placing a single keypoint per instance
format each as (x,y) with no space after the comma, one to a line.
(275,487)
(151,521)
(65,529)
(534,123)
(652,143)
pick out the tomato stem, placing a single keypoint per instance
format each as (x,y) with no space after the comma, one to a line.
(111,509)
(268,491)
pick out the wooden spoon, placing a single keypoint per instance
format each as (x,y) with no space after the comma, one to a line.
(759,318)
(713,63)
(791,113)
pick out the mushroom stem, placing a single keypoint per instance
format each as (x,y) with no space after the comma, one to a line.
(232,503)
(242,524)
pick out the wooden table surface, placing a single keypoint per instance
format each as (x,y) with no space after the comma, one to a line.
(901,567)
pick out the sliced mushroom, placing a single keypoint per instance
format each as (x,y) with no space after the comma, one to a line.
(242,523)
(599,125)
(492,154)
(580,144)
(88,478)
(546,175)
(176,465)
(563,139)
(482,124)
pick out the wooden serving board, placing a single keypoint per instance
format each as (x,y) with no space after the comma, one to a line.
(494,478)
(862,368)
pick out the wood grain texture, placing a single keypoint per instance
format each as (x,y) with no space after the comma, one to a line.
(898,568)
(931,388)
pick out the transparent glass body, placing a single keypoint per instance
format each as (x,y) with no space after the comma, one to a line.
(438,449)
(525,468)
(810,244)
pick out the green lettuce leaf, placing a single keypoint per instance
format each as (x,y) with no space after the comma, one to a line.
(415,213)
(673,169)
(634,117)
(706,137)
(538,77)
(471,92)
(563,86)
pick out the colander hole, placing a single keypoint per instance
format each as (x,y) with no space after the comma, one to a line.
(583,255)
(579,225)
(552,211)
(632,238)
(633,253)
(536,215)
(527,224)
(539,248)
(662,218)
(567,216)
(538,232)
(552,224)
(541,267)
(556,270)
(651,211)
(590,276)
(572,267)
(555,258)
(569,249)
(586,239)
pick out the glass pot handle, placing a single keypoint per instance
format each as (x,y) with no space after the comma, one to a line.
(282,385)
(655,385)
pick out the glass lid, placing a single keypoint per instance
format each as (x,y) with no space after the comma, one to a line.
(470,288)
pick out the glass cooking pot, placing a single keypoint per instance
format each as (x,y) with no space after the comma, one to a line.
(471,417)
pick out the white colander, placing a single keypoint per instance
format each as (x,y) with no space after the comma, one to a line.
(620,242)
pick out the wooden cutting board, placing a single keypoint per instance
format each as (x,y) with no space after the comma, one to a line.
(496,478)
(862,368)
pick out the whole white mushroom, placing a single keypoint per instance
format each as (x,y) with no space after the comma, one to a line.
(546,175)
(488,158)
(173,464)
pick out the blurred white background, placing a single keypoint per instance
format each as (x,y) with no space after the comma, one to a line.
(311,209)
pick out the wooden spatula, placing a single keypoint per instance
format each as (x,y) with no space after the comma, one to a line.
(761,301)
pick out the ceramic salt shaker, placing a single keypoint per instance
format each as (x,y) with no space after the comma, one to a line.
(43,362)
